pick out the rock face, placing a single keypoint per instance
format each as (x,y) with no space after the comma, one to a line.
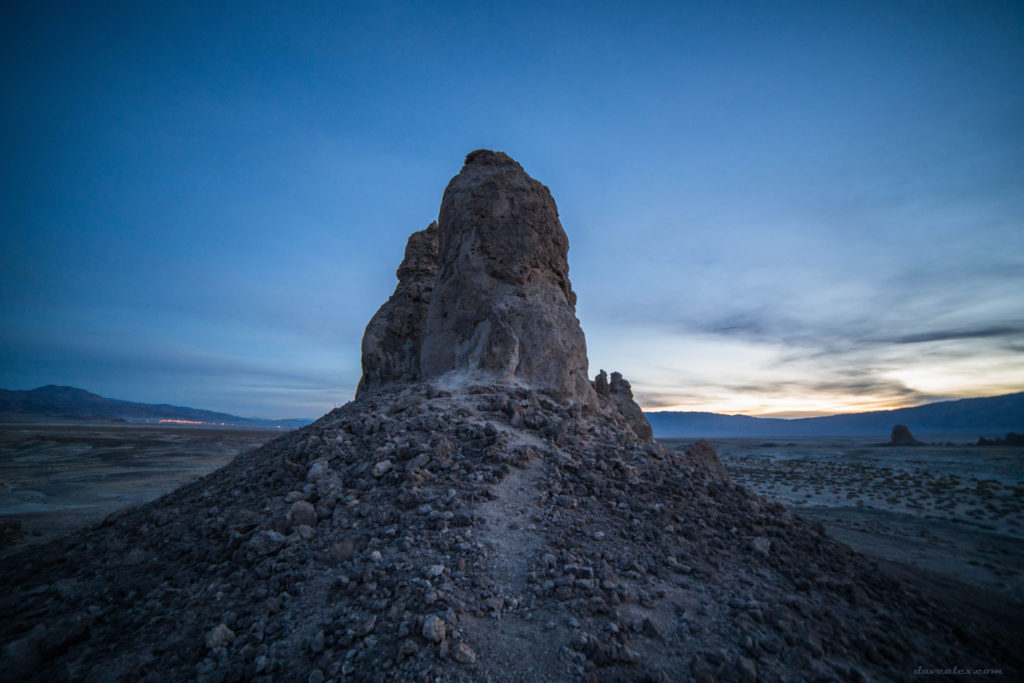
(394,335)
(502,303)
(485,293)
(901,436)
(620,396)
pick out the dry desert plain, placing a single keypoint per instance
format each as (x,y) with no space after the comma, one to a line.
(58,477)
(949,509)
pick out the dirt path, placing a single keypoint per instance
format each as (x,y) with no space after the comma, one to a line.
(511,539)
(514,545)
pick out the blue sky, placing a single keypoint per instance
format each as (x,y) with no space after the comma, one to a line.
(794,208)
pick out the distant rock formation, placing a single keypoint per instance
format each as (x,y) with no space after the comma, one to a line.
(393,337)
(1012,439)
(901,436)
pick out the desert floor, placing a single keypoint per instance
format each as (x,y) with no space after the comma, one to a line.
(55,478)
(955,510)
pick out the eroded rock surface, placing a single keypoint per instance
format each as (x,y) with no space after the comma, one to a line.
(622,396)
(503,304)
(393,337)
(485,294)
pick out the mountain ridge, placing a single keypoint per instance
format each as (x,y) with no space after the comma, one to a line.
(57,401)
(991,415)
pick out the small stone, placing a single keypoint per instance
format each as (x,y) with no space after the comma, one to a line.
(434,629)
(381,468)
(22,657)
(408,648)
(219,636)
(316,643)
(266,542)
(464,654)
(565,501)
(624,654)
(434,570)
(367,626)
(342,551)
(598,535)
(318,470)
(761,545)
(375,556)
(747,670)
(301,512)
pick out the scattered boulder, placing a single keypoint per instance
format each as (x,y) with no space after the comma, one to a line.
(301,513)
(342,551)
(267,542)
(381,468)
(433,629)
(219,636)
(703,458)
(761,545)
(464,654)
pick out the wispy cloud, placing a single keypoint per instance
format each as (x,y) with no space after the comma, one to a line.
(961,333)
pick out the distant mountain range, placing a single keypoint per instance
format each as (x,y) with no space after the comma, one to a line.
(69,403)
(990,417)
(993,416)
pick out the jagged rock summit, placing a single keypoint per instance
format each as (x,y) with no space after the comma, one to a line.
(484,295)
(485,291)
(503,303)
(480,512)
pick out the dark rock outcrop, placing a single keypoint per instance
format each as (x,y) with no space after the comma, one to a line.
(901,436)
(617,397)
(703,456)
(1012,439)
(393,337)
